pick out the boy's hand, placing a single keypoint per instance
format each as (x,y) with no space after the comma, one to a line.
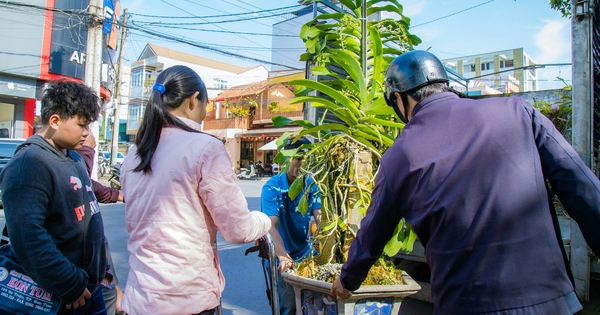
(90,141)
(81,301)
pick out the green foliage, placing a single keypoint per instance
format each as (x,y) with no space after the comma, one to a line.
(273,107)
(337,161)
(564,6)
(559,112)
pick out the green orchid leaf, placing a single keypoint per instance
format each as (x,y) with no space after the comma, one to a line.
(304,30)
(318,101)
(303,205)
(305,56)
(414,40)
(349,4)
(393,246)
(283,139)
(336,95)
(377,121)
(407,246)
(339,127)
(329,226)
(312,32)
(279,121)
(320,70)
(311,45)
(342,224)
(387,8)
(296,187)
(280,158)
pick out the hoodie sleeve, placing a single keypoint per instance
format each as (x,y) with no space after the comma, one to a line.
(224,200)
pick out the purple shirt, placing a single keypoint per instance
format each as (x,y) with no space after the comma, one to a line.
(469,176)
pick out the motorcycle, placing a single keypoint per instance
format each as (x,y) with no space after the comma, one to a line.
(115,172)
(247,173)
(103,166)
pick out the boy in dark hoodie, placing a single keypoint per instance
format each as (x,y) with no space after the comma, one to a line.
(53,218)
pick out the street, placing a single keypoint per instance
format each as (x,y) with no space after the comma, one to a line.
(245,283)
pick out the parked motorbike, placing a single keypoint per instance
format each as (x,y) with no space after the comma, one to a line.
(246,173)
(103,166)
(115,172)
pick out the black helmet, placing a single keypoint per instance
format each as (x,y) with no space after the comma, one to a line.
(411,71)
(291,144)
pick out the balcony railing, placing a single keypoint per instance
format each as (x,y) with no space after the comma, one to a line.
(226,123)
(259,118)
(266,115)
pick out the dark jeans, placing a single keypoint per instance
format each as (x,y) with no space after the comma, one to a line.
(93,306)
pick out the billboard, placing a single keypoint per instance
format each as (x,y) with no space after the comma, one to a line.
(69,39)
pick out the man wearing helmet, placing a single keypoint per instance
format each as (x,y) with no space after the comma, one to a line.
(470,177)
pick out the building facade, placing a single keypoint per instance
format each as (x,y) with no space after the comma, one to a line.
(242,117)
(217,76)
(505,71)
(40,45)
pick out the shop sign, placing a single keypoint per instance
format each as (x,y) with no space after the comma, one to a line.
(17,87)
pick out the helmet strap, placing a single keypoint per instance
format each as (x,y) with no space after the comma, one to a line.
(405,104)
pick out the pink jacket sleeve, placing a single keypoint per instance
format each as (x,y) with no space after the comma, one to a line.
(224,200)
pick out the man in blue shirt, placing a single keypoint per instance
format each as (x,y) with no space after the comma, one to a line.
(290,229)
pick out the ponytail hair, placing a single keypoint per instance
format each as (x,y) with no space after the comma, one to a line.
(173,86)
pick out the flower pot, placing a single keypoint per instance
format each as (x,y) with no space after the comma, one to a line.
(312,297)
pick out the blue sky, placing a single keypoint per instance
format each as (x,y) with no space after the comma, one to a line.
(449,28)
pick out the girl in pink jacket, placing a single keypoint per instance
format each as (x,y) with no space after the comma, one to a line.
(180,189)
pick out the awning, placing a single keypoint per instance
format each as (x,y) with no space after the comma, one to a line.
(269,146)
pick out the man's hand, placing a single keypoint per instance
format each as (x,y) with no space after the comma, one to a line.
(286,263)
(81,301)
(337,290)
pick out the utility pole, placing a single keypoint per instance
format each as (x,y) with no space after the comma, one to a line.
(117,99)
(583,116)
(93,60)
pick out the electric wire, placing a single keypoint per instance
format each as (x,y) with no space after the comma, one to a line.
(247,39)
(452,14)
(215,16)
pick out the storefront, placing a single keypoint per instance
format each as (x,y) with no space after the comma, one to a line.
(49,48)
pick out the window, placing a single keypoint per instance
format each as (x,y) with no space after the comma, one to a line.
(220,84)
(506,63)
(134,112)
(469,68)
(486,66)
(136,78)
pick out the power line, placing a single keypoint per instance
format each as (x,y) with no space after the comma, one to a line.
(211,31)
(253,21)
(452,14)
(181,40)
(216,16)
(247,39)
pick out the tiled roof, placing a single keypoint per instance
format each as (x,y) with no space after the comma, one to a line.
(185,57)
(243,90)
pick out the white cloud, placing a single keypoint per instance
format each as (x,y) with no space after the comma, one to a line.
(553,41)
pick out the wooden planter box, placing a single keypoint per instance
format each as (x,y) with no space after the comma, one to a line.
(312,297)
